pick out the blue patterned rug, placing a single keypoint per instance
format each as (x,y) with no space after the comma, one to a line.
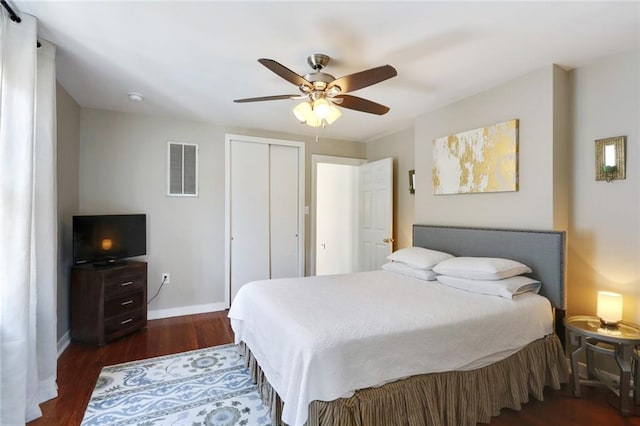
(199,388)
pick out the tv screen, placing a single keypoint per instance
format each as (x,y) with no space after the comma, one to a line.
(104,239)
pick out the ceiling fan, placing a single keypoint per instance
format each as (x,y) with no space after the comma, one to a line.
(322,92)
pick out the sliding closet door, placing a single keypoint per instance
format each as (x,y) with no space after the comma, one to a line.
(249,200)
(264,210)
(284,211)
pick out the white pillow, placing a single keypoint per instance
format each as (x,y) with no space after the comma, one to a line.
(419,257)
(404,269)
(481,268)
(506,288)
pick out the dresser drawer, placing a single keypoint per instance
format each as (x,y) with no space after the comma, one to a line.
(123,304)
(119,282)
(123,324)
(108,302)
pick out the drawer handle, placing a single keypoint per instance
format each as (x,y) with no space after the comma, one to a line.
(126,284)
(126,321)
(128,302)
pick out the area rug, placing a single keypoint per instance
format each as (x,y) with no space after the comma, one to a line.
(202,387)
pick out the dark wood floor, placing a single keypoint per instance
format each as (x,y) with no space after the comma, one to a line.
(79,366)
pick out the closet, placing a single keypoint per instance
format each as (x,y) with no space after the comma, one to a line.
(264,210)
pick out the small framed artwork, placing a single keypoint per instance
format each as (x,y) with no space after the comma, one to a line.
(610,159)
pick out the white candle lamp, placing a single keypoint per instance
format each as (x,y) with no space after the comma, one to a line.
(609,308)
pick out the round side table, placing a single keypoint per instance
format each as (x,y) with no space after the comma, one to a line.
(621,342)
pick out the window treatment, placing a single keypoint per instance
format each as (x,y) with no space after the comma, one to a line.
(28,222)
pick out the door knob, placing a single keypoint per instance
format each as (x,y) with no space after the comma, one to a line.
(388,240)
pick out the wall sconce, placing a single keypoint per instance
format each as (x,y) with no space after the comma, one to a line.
(412,181)
(609,308)
(610,159)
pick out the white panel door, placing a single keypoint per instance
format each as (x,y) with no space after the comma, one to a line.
(376,198)
(249,213)
(284,211)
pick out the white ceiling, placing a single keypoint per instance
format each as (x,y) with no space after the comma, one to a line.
(191,59)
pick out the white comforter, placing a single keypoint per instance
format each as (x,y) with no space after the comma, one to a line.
(321,338)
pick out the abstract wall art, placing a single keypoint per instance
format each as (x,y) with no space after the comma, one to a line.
(479,160)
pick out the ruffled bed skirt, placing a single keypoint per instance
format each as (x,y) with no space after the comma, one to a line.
(454,398)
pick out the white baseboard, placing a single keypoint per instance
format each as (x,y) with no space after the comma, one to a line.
(64,341)
(186,310)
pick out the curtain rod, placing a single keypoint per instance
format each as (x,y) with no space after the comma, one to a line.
(14,17)
(12,14)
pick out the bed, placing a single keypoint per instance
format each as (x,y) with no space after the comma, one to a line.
(377,348)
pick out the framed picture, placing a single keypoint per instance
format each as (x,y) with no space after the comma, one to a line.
(479,160)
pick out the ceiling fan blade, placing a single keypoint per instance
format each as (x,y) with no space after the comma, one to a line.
(360,104)
(284,72)
(266,98)
(361,79)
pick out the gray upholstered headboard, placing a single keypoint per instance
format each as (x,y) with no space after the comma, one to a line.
(542,251)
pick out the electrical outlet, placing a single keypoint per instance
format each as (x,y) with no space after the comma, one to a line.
(166,278)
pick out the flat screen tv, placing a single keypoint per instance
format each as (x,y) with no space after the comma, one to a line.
(107,239)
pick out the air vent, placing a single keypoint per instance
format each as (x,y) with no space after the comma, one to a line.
(182,169)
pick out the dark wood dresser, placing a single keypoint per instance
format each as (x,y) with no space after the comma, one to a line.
(108,302)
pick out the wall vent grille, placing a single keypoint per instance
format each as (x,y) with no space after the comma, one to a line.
(182,169)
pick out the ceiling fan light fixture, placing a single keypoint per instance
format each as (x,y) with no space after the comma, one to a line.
(313,120)
(302,111)
(334,114)
(322,92)
(306,112)
(321,108)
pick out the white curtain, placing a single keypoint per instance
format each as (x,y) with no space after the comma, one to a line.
(28,234)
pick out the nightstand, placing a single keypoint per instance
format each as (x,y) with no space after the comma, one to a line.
(621,343)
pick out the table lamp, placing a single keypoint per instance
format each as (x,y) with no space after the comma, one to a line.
(609,308)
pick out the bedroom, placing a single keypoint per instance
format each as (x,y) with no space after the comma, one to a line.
(556,192)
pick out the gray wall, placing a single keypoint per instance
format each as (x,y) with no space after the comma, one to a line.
(398,146)
(562,131)
(529,99)
(122,170)
(68,140)
(561,115)
(604,224)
